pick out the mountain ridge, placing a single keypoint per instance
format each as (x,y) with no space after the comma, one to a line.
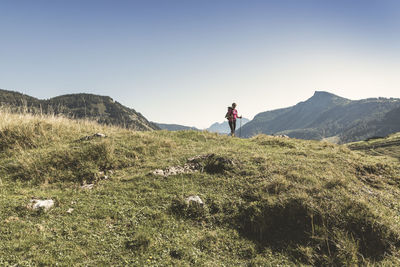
(325,115)
(102,109)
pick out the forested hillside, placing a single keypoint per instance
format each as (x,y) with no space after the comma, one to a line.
(102,109)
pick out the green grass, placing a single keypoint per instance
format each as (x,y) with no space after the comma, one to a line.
(283,202)
(388,146)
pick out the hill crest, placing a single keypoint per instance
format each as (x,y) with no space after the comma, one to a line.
(102,109)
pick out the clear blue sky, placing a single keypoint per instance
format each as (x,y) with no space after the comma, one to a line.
(185,61)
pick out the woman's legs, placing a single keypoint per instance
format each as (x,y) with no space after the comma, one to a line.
(232,125)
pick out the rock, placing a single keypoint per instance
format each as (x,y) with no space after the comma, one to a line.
(87,186)
(70,210)
(209,162)
(103,176)
(37,204)
(159,172)
(99,135)
(173,170)
(40,227)
(89,137)
(281,136)
(195,199)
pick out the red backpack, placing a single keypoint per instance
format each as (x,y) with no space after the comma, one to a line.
(229,114)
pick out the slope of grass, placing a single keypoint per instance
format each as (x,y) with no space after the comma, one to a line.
(268,201)
(388,146)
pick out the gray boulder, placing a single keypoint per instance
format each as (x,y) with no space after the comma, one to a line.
(37,204)
(194,199)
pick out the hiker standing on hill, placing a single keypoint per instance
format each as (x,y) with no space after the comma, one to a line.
(232,115)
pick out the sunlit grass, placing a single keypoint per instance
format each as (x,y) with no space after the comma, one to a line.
(283,201)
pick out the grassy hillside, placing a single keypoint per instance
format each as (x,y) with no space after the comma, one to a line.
(388,146)
(267,201)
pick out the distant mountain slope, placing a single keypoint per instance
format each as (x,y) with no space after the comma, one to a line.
(102,109)
(325,115)
(223,127)
(174,127)
(17,100)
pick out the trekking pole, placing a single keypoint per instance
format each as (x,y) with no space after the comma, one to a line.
(240,129)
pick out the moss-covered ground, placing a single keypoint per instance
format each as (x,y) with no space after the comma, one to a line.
(282,201)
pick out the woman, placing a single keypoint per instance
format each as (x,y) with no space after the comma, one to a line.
(232,115)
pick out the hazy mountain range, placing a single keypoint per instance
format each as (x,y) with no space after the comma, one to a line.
(326,115)
(223,127)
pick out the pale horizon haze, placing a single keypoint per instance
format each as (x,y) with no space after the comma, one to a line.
(184,62)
